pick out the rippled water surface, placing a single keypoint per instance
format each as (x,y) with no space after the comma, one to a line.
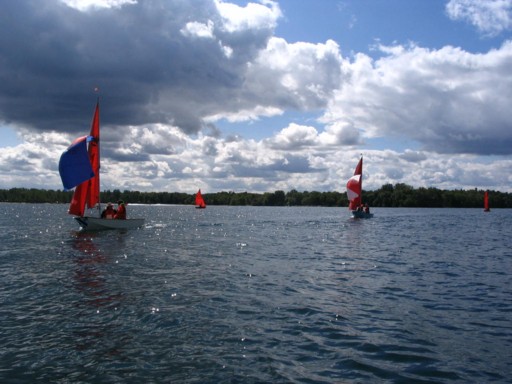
(256,294)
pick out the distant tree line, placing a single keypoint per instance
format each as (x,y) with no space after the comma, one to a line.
(398,195)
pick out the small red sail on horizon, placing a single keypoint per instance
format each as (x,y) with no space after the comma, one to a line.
(355,187)
(486,202)
(199,200)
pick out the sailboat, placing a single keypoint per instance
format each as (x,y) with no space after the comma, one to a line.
(355,192)
(199,200)
(486,202)
(79,168)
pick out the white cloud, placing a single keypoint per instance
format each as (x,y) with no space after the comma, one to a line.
(340,133)
(295,137)
(241,115)
(251,17)
(169,80)
(197,29)
(300,75)
(84,5)
(294,158)
(176,63)
(490,17)
(448,100)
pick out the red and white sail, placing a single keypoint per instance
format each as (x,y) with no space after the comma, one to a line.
(355,187)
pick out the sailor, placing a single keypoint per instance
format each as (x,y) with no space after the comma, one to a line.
(109,212)
(121,211)
(366,208)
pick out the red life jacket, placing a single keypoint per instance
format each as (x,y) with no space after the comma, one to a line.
(109,213)
(121,212)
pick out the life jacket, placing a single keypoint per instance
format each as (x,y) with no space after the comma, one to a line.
(110,213)
(121,212)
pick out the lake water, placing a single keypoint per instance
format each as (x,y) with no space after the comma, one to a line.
(256,295)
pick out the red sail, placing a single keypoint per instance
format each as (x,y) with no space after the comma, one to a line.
(199,200)
(89,191)
(355,187)
(93,197)
(486,201)
(359,168)
(77,205)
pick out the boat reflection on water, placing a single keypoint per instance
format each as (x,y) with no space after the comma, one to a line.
(98,305)
(88,274)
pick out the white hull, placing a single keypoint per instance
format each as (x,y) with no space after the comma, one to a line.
(361,215)
(96,223)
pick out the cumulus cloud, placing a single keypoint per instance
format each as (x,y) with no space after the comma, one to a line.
(155,62)
(250,18)
(491,17)
(413,156)
(340,133)
(280,162)
(299,76)
(169,71)
(85,5)
(448,100)
(294,137)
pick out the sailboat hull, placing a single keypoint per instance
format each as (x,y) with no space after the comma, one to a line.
(361,215)
(98,224)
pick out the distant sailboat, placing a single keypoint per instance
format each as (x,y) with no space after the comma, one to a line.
(355,192)
(79,167)
(199,200)
(486,202)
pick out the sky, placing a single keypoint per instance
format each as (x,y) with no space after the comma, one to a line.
(259,96)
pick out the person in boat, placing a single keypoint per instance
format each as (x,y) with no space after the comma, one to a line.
(109,212)
(366,208)
(121,211)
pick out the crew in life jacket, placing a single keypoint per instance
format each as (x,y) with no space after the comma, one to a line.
(109,212)
(121,211)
